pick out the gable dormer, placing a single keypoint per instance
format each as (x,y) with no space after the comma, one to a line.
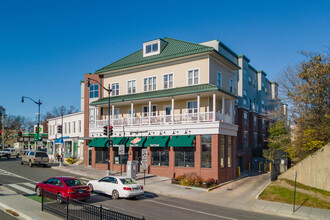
(153,47)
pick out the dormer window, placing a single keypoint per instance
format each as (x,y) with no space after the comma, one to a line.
(153,47)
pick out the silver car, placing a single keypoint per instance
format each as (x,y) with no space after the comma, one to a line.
(33,157)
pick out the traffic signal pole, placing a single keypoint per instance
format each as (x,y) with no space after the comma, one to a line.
(3,131)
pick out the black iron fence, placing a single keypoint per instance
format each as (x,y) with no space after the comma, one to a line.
(76,210)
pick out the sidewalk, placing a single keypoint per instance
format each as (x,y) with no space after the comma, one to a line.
(163,186)
(25,208)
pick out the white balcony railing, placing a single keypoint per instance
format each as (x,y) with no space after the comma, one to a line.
(165,119)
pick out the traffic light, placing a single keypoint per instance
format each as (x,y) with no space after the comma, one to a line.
(0,133)
(105,130)
(19,134)
(59,129)
(37,129)
(111,130)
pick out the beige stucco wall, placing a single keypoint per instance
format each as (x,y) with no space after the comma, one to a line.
(313,171)
(179,70)
(227,74)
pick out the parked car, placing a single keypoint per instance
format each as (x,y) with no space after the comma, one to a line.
(13,152)
(4,154)
(117,187)
(64,187)
(33,157)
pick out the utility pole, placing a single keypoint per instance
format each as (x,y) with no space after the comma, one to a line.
(3,131)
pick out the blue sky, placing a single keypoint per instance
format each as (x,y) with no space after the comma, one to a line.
(46,47)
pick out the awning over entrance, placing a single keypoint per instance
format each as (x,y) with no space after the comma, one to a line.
(99,142)
(118,141)
(60,140)
(157,141)
(181,141)
(136,142)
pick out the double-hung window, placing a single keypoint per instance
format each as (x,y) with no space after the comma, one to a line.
(244,73)
(131,86)
(94,90)
(230,85)
(245,118)
(145,110)
(193,77)
(149,84)
(168,81)
(244,97)
(219,76)
(115,89)
(192,107)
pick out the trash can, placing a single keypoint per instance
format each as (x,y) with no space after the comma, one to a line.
(131,169)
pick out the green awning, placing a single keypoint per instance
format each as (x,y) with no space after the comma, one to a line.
(181,141)
(136,142)
(99,142)
(118,141)
(157,141)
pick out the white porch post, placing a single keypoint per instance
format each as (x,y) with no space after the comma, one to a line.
(149,112)
(132,105)
(223,105)
(214,107)
(113,113)
(198,106)
(172,110)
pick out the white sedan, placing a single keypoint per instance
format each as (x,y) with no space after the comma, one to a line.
(117,187)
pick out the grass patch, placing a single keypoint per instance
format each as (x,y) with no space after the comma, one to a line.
(309,188)
(285,195)
(38,198)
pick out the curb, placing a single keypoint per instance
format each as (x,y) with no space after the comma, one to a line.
(225,183)
(20,214)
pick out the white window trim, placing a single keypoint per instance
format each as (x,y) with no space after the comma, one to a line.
(151,108)
(127,86)
(148,85)
(164,108)
(163,80)
(187,105)
(118,88)
(221,83)
(145,54)
(199,76)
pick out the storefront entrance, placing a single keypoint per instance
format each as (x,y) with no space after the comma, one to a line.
(137,156)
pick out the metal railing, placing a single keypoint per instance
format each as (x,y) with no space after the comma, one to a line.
(165,119)
(72,209)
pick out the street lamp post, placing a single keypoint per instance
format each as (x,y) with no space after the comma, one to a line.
(109,90)
(38,103)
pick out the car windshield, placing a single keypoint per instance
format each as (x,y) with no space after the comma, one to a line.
(127,181)
(74,182)
(5,149)
(41,154)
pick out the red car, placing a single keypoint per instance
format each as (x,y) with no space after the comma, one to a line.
(64,187)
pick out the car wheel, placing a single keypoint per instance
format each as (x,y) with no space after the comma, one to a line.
(38,191)
(30,163)
(91,187)
(22,162)
(59,198)
(17,156)
(115,194)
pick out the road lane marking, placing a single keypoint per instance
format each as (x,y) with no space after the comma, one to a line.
(23,189)
(30,185)
(191,210)
(4,172)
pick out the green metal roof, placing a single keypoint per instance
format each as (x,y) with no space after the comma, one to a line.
(99,142)
(162,93)
(173,49)
(157,141)
(181,141)
(136,142)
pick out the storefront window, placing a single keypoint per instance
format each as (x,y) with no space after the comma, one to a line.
(230,150)
(160,156)
(50,148)
(206,151)
(67,149)
(101,154)
(185,156)
(116,156)
(222,151)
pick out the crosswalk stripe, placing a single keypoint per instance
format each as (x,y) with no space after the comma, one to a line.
(4,172)
(30,185)
(23,189)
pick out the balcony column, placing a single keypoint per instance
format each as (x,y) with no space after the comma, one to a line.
(172,110)
(132,112)
(149,112)
(223,105)
(198,106)
(113,113)
(214,107)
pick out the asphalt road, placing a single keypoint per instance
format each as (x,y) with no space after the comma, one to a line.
(150,206)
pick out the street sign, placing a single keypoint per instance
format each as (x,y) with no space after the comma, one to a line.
(121,150)
(144,159)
